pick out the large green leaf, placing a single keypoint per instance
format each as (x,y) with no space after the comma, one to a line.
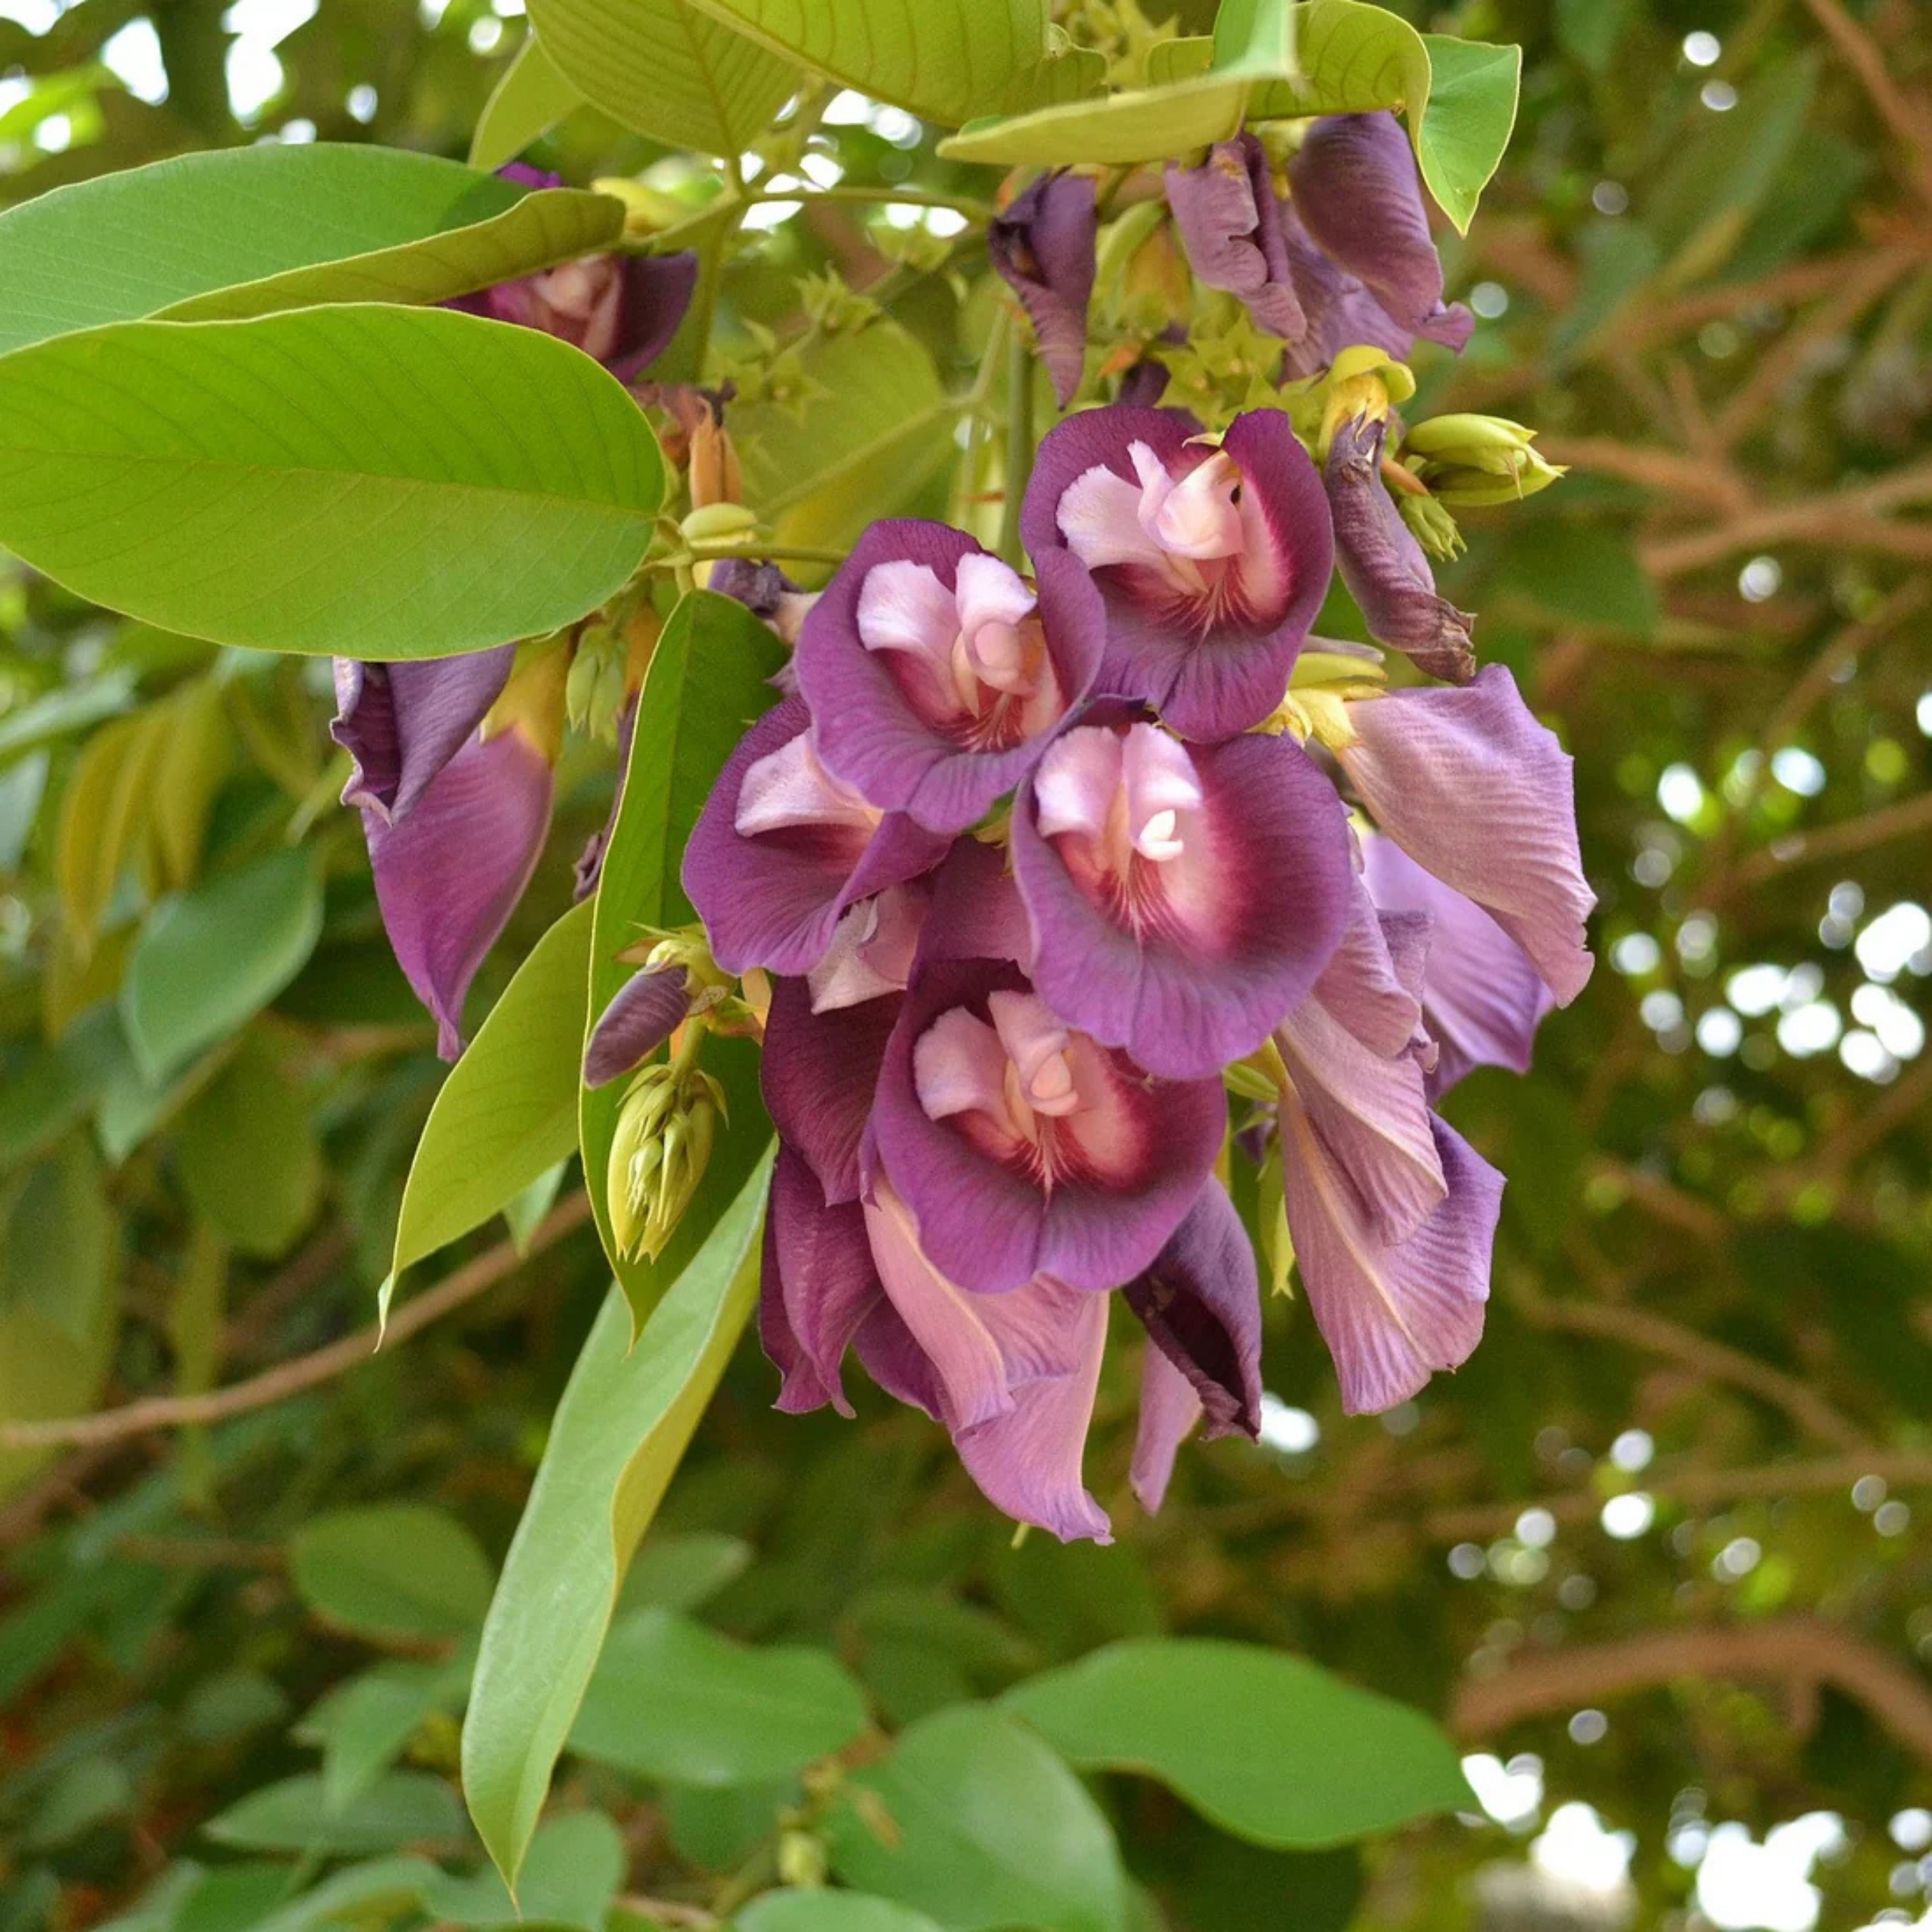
(618,1436)
(402,1809)
(707,683)
(363,480)
(821,1911)
(1143,124)
(210,959)
(988,1829)
(674,1701)
(247,231)
(507,1112)
(661,66)
(1459,141)
(247,1153)
(531,97)
(946,60)
(577,1863)
(391,1571)
(1269,1746)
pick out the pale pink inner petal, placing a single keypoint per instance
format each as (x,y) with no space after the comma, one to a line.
(904,607)
(1108,1138)
(582,300)
(1100,516)
(1036,1043)
(1198,516)
(959,1066)
(789,788)
(871,950)
(992,601)
(1075,785)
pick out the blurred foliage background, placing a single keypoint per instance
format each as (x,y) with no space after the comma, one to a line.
(1657,1555)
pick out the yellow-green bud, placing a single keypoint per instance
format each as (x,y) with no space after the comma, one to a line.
(1454,437)
(595,691)
(717,523)
(1474,460)
(666,1127)
(801,1859)
(646,210)
(1432,526)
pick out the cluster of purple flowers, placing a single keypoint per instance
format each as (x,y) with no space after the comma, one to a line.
(996,1046)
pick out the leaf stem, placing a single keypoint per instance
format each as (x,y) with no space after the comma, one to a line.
(1019,445)
(764,552)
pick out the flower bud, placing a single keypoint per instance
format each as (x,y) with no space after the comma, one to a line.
(714,480)
(665,1129)
(716,523)
(647,211)
(801,1859)
(595,691)
(1431,525)
(1475,460)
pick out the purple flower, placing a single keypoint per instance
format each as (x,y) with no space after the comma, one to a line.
(782,849)
(448,875)
(818,1072)
(1181,899)
(1482,999)
(936,674)
(1212,561)
(643,1014)
(1383,566)
(1476,790)
(1230,218)
(400,724)
(1022,1146)
(1042,247)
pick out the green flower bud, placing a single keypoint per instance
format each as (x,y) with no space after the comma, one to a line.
(1454,438)
(594,692)
(1431,525)
(1471,460)
(666,1128)
(718,523)
(801,1859)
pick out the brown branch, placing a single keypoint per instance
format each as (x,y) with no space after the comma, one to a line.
(305,1372)
(1806,1652)
(1655,469)
(1907,1101)
(1901,820)
(1905,117)
(1669,1203)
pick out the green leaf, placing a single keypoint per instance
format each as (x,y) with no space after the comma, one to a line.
(673,1701)
(1459,141)
(531,97)
(679,1572)
(707,683)
(247,231)
(944,60)
(1354,58)
(661,68)
(210,959)
(402,1809)
(58,1081)
(576,1864)
(362,1725)
(830,1911)
(228,478)
(616,1440)
(57,1241)
(388,1884)
(391,1570)
(1142,124)
(988,1829)
(1256,37)
(247,1154)
(507,1114)
(1269,1746)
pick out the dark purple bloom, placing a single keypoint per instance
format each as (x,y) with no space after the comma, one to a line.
(765,591)
(1023,1147)
(1474,788)
(1181,897)
(936,674)
(1229,217)
(643,1014)
(1383,566)
(1482,999)
(818,1071)
(449,875)
(1213,561)
(819,1283)
(402,723)
(782,849)
(1042,247)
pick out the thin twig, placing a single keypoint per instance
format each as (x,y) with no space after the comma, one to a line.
(1901,820)
(1905,117)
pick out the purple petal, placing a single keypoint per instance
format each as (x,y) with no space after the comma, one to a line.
(817,1073)
(826,1285)
(773,899)
(1188,964)
(621,309)
(1230,218)
(1475,789)
(891,721)
(1382,564)
(1144,385)
(1341,311)
(1200,1303)
(1126,1164)
(1370,985)
(1358,191)
(1483,997)
(1391,1315)
(643,1014)
(1169,1409)
(402,723)
(657,290)
(1212,563)
(448,876)
(1042,247)
(976,912)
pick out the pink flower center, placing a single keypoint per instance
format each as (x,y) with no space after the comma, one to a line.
(583,302)
(789,790)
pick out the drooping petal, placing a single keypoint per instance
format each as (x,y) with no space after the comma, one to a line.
(1373,984)
(643,1014)
(1169,1409)
(1383,566)
(817,1073)
(401,723)
(1186,946)
(826,1283)
(448,876)
(1212,562)
(775,859)
(1341,311)
(1200,1303)
(1482,998)
(1042,247)
(1392,1314)
(1230,218)
(1474,788)
(1125,1154)
(934,680)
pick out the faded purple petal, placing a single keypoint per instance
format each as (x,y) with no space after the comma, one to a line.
(1230,218)
(450,874)
(1144,385)
(1391,1314)
(1383,566)
(643,1014)
(1359,194)
(621,309)
(1475,790)
(1042,247)
(935,678)
(1373,984)
(873,948)
(1169,1409)
(819,1267)
(1186,959)
(1200,1303)
(772,898)
(402,723)
(817,1073)
(1212,562)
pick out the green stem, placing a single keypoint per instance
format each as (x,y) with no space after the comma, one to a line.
(978,210)
(1019,445)
(761,552)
